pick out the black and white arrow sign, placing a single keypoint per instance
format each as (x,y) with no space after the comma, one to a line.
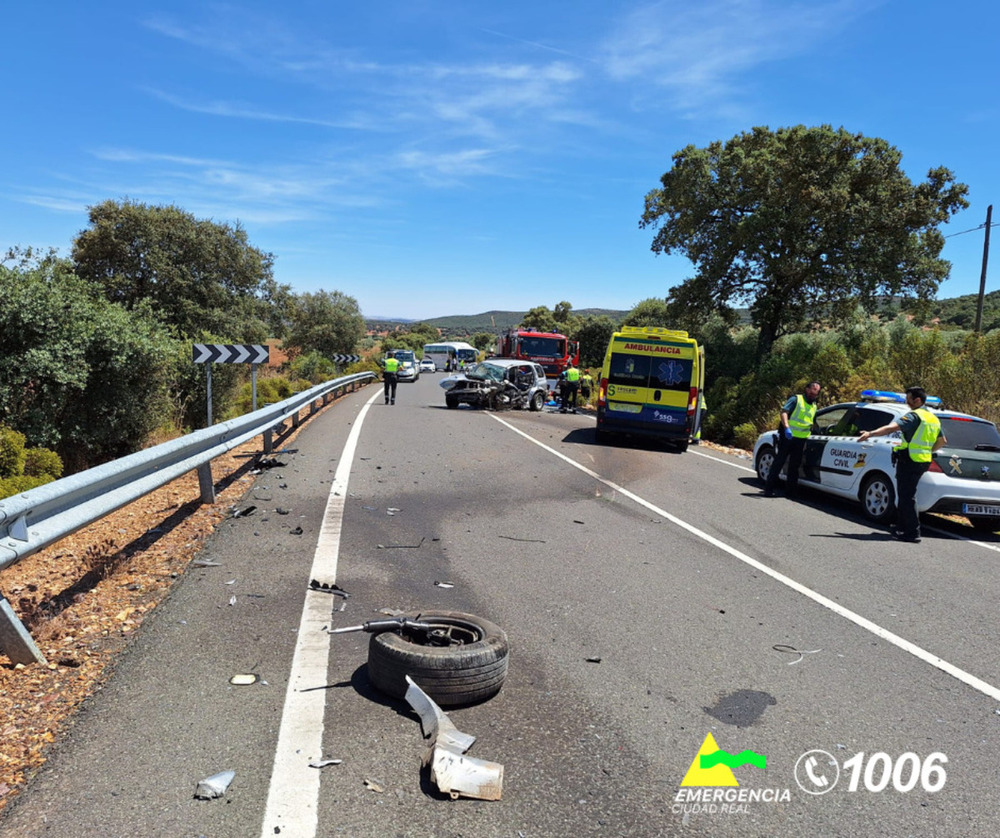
(225,353)
(346,359)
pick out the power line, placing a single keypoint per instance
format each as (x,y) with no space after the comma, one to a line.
(973,230)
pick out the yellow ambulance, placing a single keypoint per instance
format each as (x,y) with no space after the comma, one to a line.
(650,384)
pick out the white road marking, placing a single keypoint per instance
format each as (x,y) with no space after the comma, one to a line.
(724,462)
(985,545)
(293,798)
(901,643)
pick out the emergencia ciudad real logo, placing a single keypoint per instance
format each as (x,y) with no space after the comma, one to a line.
(711,787)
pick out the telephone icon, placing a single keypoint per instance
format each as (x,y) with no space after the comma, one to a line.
(818,780)
(817,772)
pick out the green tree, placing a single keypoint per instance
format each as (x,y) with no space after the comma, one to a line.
(201,276)
(328,322)
(81,376)
(594,335)
(800,224)
(540,318)
(484,341)
(649,312)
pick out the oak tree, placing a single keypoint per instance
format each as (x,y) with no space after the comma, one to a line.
(800,224)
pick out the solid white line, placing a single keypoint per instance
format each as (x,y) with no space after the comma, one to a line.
(724,462)
(836,608)
(293,798)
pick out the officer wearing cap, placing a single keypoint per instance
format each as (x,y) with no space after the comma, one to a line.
(922,436)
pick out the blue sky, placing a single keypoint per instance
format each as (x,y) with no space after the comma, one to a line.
(431,158)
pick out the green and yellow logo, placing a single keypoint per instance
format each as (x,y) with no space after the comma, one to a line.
(714,767)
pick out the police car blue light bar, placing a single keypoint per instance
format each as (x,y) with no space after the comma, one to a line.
(898,398)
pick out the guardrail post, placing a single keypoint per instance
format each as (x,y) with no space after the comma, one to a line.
(295,419)
(268,441)
(205,483)
(14,638)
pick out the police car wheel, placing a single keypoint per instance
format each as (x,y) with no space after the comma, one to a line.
(463,661)
(451,402)
(765,459)
(878,498)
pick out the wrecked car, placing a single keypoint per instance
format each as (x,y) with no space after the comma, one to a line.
(498,384)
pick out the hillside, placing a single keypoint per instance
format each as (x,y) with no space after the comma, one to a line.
(488,321)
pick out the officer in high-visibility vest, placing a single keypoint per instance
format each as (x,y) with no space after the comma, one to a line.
(702,411)
(922,436)
(794,429)
(391,378)
(572,378)
(586,385)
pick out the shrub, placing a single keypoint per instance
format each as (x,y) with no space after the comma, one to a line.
(40,462)
(12,455)
(745,435)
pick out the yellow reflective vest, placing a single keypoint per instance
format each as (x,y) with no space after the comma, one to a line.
(801,420)
(921,445)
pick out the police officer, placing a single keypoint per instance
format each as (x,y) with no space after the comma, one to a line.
(586,386)
(391,378)
(796,425)
(572,378)
(922,436)
(702,411)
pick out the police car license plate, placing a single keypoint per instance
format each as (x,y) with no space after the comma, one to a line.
(981,509)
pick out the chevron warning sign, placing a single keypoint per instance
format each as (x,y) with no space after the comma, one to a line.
(227,353)
(346,359)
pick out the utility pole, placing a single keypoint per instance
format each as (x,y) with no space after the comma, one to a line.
(982,276)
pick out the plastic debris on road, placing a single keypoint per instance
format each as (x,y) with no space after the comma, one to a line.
(451,771)
(214,786)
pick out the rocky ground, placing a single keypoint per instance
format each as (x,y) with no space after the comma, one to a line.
(84,597)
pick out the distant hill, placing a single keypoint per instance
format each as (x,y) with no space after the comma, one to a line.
(489,321)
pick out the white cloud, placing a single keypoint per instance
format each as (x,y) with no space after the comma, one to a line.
(698,51)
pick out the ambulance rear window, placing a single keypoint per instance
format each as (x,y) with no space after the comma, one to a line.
(629,370)
(656,373)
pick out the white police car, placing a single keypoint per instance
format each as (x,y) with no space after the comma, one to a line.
(964,477)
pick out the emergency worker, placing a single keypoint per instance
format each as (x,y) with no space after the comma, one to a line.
(702,411)
(391,379)
(572,378)
(586,386)
(794,429)
(922,436)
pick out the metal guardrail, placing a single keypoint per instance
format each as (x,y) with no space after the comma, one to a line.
(33,520)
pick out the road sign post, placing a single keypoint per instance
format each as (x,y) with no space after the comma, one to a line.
(227,353)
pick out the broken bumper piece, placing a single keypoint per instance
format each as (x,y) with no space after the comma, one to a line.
(451,771)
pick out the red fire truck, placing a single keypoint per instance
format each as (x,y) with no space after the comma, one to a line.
(550,349)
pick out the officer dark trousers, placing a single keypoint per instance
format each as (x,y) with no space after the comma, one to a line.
(908,474)
(390,387)
(569,396)
(789,450)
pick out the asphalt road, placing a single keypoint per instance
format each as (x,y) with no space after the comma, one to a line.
(651,599)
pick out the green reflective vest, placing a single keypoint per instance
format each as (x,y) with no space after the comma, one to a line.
(572,374)
(391,365)
(921,445)
(801,420)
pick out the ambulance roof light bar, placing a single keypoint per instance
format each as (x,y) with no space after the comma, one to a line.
(896,398)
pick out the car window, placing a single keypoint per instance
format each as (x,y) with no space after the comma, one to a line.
(972,434)
(830,420)
(869,418)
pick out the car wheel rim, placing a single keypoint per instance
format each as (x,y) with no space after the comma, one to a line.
(876,499)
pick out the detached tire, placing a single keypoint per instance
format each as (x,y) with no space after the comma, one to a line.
(470,671)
